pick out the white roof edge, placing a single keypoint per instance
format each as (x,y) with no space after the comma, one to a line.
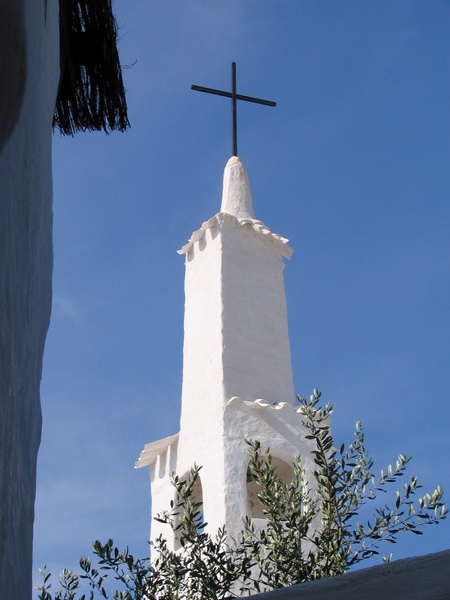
(151,450)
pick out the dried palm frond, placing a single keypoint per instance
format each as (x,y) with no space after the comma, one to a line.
(91,94)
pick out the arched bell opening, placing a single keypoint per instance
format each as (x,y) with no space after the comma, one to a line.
(283,469)
(196,499)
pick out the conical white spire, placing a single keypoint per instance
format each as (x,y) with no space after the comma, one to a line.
(236,195)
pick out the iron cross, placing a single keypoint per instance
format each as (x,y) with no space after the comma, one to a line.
(234,97)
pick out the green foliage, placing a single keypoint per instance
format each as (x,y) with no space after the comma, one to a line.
(311,529)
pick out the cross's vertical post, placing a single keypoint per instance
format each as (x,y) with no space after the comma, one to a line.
(234,107)
(234,98)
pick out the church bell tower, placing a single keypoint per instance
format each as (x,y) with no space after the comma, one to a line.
(237,373)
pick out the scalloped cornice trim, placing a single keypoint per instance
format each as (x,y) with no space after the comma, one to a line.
(260,403)
(258,226)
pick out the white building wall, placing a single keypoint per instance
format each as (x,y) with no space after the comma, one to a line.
(236,338)
(278,427)
(203,377)
(256,350)
(236,343)
(25,290)
(162,492)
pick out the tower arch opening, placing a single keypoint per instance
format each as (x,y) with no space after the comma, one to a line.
(197,499)
(283,469)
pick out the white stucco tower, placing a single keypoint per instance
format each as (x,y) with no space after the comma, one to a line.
(237,373)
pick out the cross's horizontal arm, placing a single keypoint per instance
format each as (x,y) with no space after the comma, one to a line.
(199,88)
(234,98)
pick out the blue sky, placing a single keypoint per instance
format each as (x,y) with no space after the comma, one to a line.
(352,166)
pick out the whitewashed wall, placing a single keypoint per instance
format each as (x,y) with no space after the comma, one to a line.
(12,65)
(237,373)
(25,269)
